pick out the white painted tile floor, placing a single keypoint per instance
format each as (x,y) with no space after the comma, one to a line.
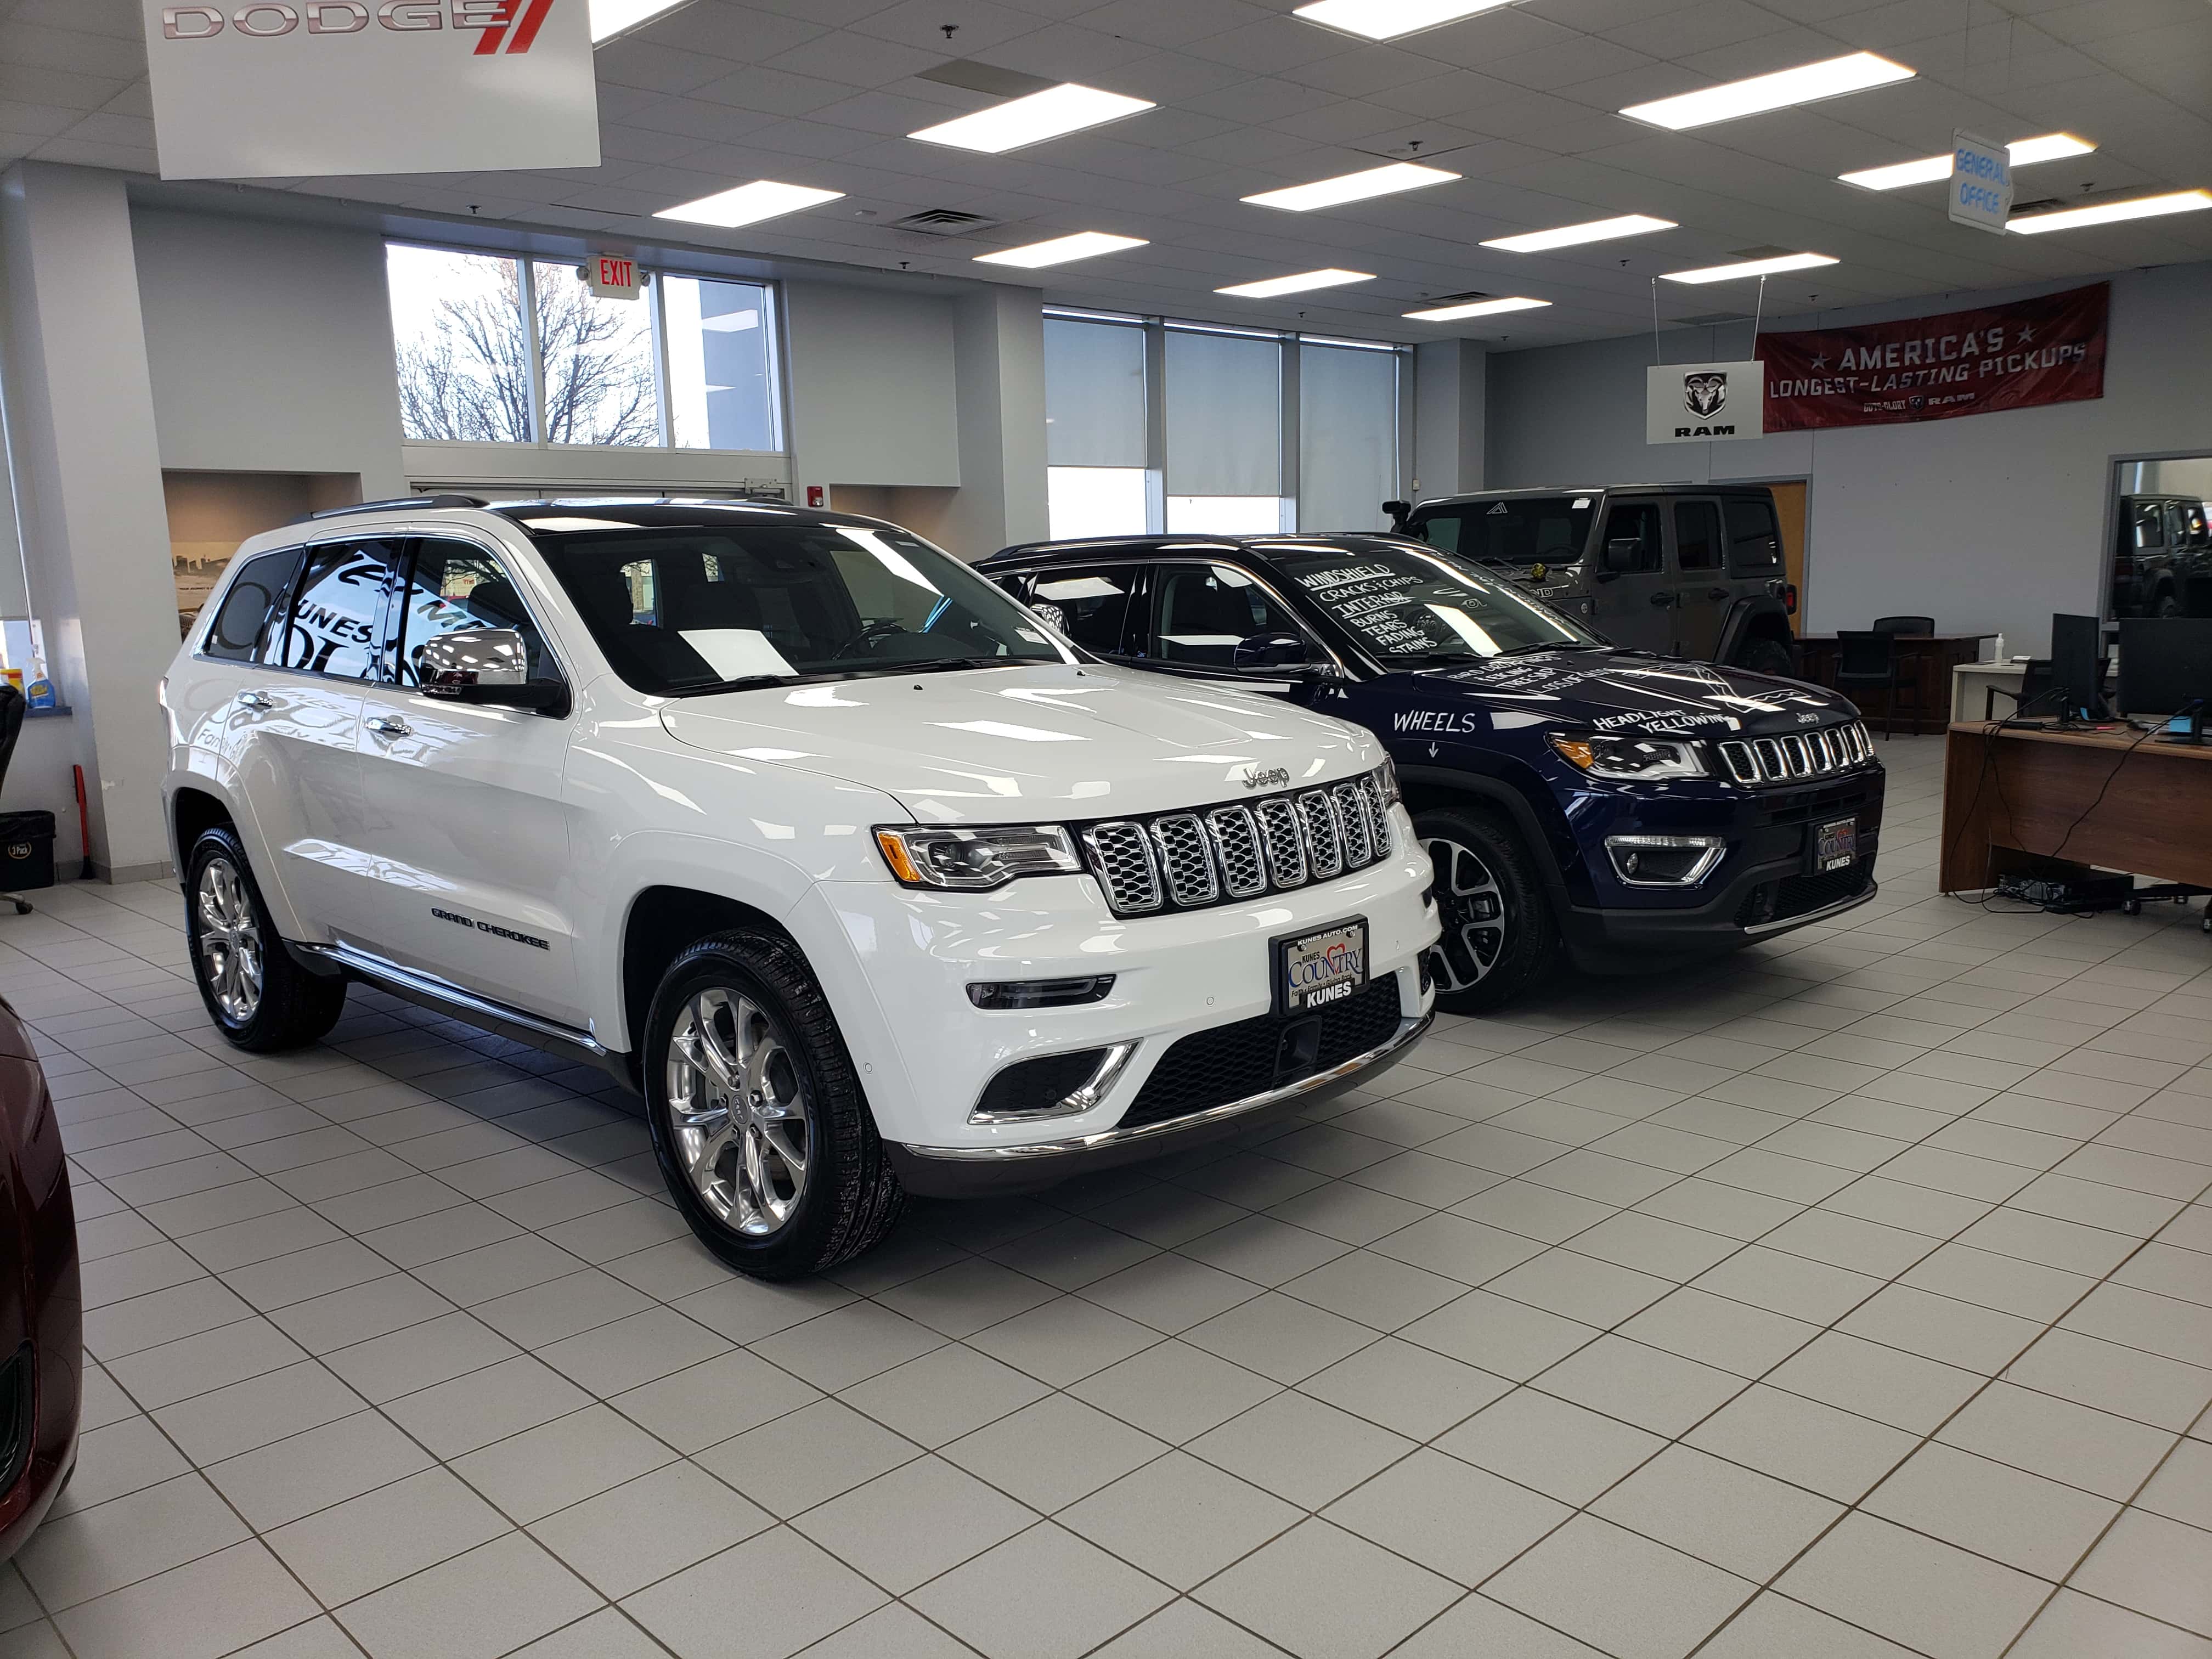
(1852,1296)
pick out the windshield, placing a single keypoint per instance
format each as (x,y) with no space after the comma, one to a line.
(1410,608)
(1525,531)
(687,609)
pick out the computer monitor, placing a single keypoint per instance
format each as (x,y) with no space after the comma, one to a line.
(2077,667)
(2166,667)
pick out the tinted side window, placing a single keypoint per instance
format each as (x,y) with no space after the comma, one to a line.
(249,605)
(1203,611)
(1754,542)
(1441,531)
(1092,607)
(1638,522)
(1697,535)
(333,626)
(451,587)
(2150,527)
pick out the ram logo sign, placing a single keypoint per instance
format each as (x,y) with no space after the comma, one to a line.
(1702,403)
(284,88)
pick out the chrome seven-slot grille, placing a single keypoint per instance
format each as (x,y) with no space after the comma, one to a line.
(1801,755)
(1217,855)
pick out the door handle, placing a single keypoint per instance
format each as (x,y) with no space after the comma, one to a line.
(390,726)
(1662,598)
(1717,592)
(255,700)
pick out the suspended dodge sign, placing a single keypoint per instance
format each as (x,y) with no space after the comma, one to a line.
(285,88)
(1704,403)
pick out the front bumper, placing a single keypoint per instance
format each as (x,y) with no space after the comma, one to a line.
(978,1171)
(1765,886)
(926,1053)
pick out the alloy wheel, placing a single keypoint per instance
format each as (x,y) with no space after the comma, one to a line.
(1472,907)
(740,1111)
(230,949)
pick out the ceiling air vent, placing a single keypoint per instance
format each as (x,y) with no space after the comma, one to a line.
(1714,317)
(945,222)
(1438,302)
(2041,206)
(1765,251)
(972,76)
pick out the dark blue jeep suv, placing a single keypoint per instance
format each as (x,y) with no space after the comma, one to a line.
(1622,809)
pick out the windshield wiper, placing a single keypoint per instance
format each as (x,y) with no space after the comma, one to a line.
(1550,645)
(743,683)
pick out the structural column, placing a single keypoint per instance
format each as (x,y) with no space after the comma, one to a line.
(998,347)
(87,475)
(1451,381)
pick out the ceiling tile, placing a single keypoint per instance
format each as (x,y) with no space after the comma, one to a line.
(859,60)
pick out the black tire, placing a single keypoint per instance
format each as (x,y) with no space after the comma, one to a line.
(850,1197)
(226,920)
(1500,936)
(1768,655)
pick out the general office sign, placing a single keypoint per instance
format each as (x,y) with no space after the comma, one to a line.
(284,88)
(2050,349)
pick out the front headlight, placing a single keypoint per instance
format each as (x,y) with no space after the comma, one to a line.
(1629,759)
(976,858)
(1386,779)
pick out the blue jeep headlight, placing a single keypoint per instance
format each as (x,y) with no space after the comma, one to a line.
(1626,758)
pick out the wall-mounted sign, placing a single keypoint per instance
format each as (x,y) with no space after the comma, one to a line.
(1981,182)
(613,276)
(281,89)
(1704,403)
(2050,349)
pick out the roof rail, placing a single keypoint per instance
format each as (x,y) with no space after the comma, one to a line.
(398,505)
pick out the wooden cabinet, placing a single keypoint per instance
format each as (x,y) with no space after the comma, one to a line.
(1924,662)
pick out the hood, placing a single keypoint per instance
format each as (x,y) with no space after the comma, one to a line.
(1634,690)
(1039,743)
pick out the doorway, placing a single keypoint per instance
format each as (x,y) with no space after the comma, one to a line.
(1789,509)
(211,512)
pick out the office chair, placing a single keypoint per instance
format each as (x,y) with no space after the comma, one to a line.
(1871,658)
(12,705)
(2034,683)
(1904,624)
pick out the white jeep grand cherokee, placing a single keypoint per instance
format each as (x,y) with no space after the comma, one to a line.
(866,881)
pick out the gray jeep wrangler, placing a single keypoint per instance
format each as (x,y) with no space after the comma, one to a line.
(1687,570)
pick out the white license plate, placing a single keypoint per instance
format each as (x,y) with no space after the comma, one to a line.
(1836,845)
(1314,970)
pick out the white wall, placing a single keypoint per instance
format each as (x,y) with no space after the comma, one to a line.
(269,347)
(1988,521)
(873,385)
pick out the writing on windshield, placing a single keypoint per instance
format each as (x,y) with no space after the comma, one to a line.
(1401,603)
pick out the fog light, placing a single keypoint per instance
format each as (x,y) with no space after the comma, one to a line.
(1039,992)
(1052,1085)
(1664,860)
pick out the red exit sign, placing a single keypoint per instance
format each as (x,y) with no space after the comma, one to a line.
(612,276)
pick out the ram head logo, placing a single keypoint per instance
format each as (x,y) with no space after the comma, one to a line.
(1705,394)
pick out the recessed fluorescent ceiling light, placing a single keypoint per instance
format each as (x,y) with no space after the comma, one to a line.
(1300,283)
(1032,119)
(1477,308)
(1060,250)
(1751,268)
(2106,213)
(1828,79)
(1598,230)
(2052,147)
(1386,20)
(1353,187)
(611,17)
(749,204)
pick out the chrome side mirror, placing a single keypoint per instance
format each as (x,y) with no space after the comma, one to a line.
(485,666)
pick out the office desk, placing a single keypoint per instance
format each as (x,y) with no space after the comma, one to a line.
(1924,659)
(2151,821)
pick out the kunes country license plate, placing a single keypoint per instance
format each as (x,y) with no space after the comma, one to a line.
(1835,845)
(1314,970)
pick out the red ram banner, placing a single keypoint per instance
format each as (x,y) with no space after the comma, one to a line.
(2045,350)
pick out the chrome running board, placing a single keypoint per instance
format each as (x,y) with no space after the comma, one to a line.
(428,991)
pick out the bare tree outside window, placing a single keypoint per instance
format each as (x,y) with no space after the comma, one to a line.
(462,355)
